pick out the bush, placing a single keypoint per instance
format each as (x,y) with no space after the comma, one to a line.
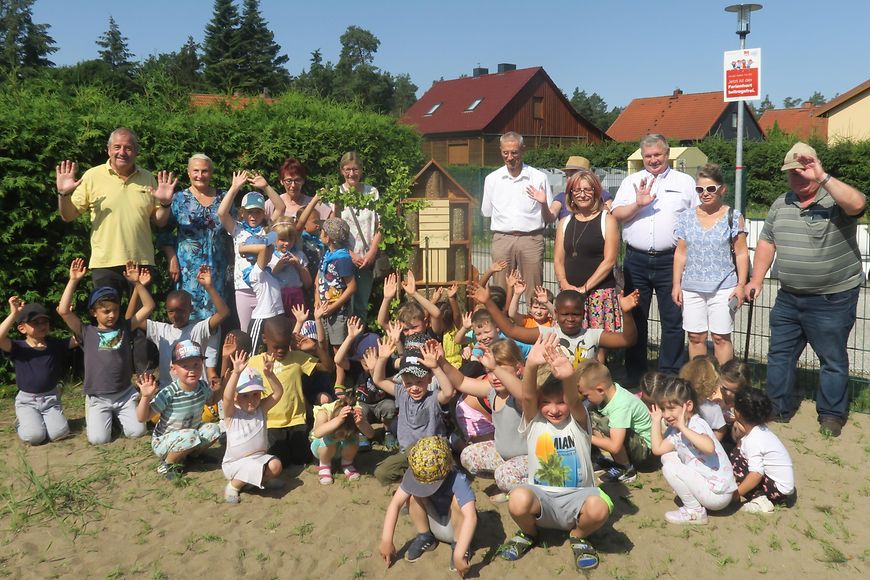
(44,123)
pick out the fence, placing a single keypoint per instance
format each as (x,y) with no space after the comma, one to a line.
(759,333)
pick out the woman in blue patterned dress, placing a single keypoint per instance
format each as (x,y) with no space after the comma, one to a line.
(199,236)
(711,266)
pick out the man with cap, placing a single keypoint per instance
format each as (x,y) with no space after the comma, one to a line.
(441,506)
(647,205)
(40,363)
(811,230)
(517,199)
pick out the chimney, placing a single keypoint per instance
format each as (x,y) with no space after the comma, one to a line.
(677,92)
(506,67)
(479,71)
(807,105)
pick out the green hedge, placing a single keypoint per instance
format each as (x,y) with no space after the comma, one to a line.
(43,123)
(764,181)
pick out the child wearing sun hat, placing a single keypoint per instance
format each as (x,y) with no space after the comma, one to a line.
(442,505)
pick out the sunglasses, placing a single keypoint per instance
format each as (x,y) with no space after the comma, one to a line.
(709,189)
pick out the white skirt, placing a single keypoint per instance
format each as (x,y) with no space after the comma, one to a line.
(248,469)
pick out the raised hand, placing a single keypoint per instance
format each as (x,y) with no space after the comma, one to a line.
(479,293)
(386,347)
(16,305)
(203,277)
(512,278)
(520,287)
(131,271)
(268,364)
(487,359)
(240,178)
(812,167)
(147,384)
(452,290)
(559,364)
(394,331)
(536,356)
(680,419)
(498,266)
(655,414)
(322,310)
(166,183)
(537,193)
(239,360)
(391,286)
(145,275)
(643,192)
(299,312)
(77,269)
(466,320)
(437,295)
(229,346)
(258,181)
(409,284)
(354,327)
(66,177)
(628,303)
(430,354)
(541,296)
(370,358)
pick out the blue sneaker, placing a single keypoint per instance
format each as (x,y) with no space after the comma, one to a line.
(585,556)
(364,443)
(419,545)
(390,442)
(517,546)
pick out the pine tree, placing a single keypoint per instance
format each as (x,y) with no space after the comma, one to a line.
(222,52)
(188,65)
(115,51)
(318,79)
(24,45)
(262,66)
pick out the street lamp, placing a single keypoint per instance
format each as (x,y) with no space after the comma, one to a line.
(743,11)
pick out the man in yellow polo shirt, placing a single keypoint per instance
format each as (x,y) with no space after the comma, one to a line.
(122,201)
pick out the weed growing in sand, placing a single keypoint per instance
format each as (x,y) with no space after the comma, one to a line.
(271,525)
(753,548)
(261,557)
(302,531)
(831,458)
(117,572)
(650,523)
(774,544)
(359,500)
(794,545)
(159,574)
(831,555)
(71,499)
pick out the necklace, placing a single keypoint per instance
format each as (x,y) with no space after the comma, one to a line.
(575,238)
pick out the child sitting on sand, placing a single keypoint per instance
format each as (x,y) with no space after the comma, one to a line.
(245,458)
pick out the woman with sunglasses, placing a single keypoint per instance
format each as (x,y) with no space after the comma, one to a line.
(292,175)
(711,267)
(587,244)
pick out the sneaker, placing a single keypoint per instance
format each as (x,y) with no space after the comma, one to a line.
(619,473)
(170,471)
(685,516)
(517,546)
(364,443)
(231,494)
(830,426)
(759,505)
(163,468)
(422,543)
(390,442)
(324,474)
(585,556)
(601,464)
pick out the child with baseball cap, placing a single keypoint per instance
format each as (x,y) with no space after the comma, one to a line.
(108,347)
(246,460)
(40,362)
(180,431)
(442,505)
(336,280)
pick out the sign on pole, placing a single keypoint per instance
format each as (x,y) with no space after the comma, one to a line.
(742,74)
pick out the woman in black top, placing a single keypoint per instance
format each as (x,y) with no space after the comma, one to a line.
(587,243)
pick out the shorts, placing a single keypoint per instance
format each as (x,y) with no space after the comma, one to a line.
(320,442)
(384,411)
(185,439)
(560,509)
(439,524)
(707,311)
(335,327)
(639,452)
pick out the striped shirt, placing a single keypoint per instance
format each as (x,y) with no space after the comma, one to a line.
(179,409)
(816,247)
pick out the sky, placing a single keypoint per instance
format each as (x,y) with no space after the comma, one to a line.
(619,49)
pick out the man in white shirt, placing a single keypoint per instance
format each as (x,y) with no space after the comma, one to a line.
(517,218)
(647,206)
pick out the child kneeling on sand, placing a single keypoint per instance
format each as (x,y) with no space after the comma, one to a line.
(245,459)
(442,505)
(561,492)
(337,427)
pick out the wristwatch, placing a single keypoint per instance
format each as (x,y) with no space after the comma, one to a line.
(825,179)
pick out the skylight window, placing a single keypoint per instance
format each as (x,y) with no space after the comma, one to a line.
(431,111)
(474,104)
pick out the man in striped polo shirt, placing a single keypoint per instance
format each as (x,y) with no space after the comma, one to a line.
(811,231)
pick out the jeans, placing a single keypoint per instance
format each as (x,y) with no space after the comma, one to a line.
(824,321)
(646,274)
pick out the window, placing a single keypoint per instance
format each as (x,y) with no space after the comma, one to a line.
(431,111)
(538,107)
(457,153)
(474,104)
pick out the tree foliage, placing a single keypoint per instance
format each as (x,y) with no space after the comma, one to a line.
(24,45)
(114,49)
(262,67)
(594,108)
(222,51)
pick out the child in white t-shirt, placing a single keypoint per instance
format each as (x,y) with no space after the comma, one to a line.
(258,250)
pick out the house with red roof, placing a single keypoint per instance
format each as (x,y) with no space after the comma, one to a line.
(802,122)
(848,115)
(685,117)
(462,119)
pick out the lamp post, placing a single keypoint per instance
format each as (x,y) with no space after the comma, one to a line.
(743,11)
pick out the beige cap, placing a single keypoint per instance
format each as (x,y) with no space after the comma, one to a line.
(799,149)
(576,162)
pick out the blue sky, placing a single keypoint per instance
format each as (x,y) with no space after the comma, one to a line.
(618,48)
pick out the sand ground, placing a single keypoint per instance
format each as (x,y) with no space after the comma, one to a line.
(72,510)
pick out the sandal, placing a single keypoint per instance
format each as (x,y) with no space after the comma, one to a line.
(350,472)
(324,472)
(585,556)
(517,546)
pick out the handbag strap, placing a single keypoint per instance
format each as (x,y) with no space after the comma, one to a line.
(359,230)
(730,237)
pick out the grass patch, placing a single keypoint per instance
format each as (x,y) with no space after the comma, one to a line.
(832,555)
(302,531)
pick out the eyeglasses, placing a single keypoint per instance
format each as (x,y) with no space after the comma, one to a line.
(583,190)
(289,181)
(709,189)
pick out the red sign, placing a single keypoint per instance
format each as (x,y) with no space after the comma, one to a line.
(743,74)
